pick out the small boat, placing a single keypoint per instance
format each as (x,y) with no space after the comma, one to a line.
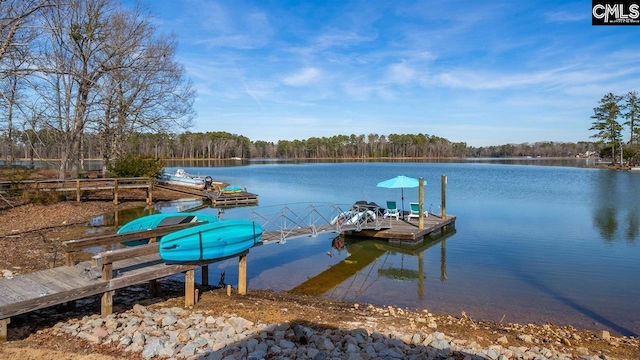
(151,222)
(210,241)
(231,190)
(353,217)
(361,212)
(182,178)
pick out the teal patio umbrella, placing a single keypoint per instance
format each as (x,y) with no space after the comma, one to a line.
(400,182)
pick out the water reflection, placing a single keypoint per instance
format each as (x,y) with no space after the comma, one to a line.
(367,260)
(616,214)
(120,217)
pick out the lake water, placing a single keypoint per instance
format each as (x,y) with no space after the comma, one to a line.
(533,243)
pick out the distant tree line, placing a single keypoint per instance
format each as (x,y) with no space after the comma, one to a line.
(223,145)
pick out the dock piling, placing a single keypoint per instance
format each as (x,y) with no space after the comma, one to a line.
(242,274)
(421,203)
(443,197)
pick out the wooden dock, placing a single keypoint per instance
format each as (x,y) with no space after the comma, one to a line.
(408,231)
(217,198)
(79,187)
(108,271)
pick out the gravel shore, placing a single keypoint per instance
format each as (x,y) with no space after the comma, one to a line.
(178,333)
(271,325)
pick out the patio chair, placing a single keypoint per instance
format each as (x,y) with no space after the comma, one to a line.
(392,210)
(414,211)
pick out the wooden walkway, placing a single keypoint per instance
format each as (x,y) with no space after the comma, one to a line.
(81,186)
(105,273)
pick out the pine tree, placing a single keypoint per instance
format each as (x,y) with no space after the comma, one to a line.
(632,108)
(606,122)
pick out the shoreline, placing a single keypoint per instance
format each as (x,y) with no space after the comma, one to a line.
(220,325)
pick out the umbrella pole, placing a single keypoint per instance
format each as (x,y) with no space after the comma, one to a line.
(402,197)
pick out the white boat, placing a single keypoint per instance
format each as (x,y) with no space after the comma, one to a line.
(361,212)
(353,217)
(182,178)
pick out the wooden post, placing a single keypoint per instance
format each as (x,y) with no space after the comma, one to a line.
(443,197)
(228,290)
(421,203)
(78,190)
(205,275)
(107,297)
(69,259)
(115,191)
(149,191)
(242,274)
(154,288)
(189,288)
(3,329)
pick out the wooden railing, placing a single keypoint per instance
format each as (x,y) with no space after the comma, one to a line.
(105,259)
(81,185)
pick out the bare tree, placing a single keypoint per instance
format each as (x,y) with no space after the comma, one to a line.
(104,70)
(17,31)
(15,19)
(146,89)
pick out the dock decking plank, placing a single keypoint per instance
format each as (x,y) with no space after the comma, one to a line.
(55,283)
(32,284)
(7,295)
(15,286)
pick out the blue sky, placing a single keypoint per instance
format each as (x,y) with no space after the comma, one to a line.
(481,72)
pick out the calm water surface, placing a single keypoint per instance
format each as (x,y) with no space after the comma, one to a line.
(532,243)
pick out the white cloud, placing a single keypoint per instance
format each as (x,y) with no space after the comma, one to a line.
(400,73)
(303,77)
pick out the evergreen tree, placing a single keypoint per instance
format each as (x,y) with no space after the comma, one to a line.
(606,122)
(632,108)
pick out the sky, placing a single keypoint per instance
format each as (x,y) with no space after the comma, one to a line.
(480,72)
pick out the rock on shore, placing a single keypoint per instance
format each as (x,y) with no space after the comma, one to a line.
(176,333)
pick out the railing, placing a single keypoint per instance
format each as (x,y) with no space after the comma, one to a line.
(300,220)
(80,185)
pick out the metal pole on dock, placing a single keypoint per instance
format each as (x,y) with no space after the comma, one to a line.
(443,197)
(421,203)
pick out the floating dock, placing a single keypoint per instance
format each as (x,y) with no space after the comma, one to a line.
(217,198)
(408,231)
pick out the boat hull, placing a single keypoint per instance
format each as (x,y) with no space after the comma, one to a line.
(182,178)
(151,222)
(193,183)
(210,241)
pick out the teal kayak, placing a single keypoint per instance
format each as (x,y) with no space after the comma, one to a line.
(210,241)
(151,222)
